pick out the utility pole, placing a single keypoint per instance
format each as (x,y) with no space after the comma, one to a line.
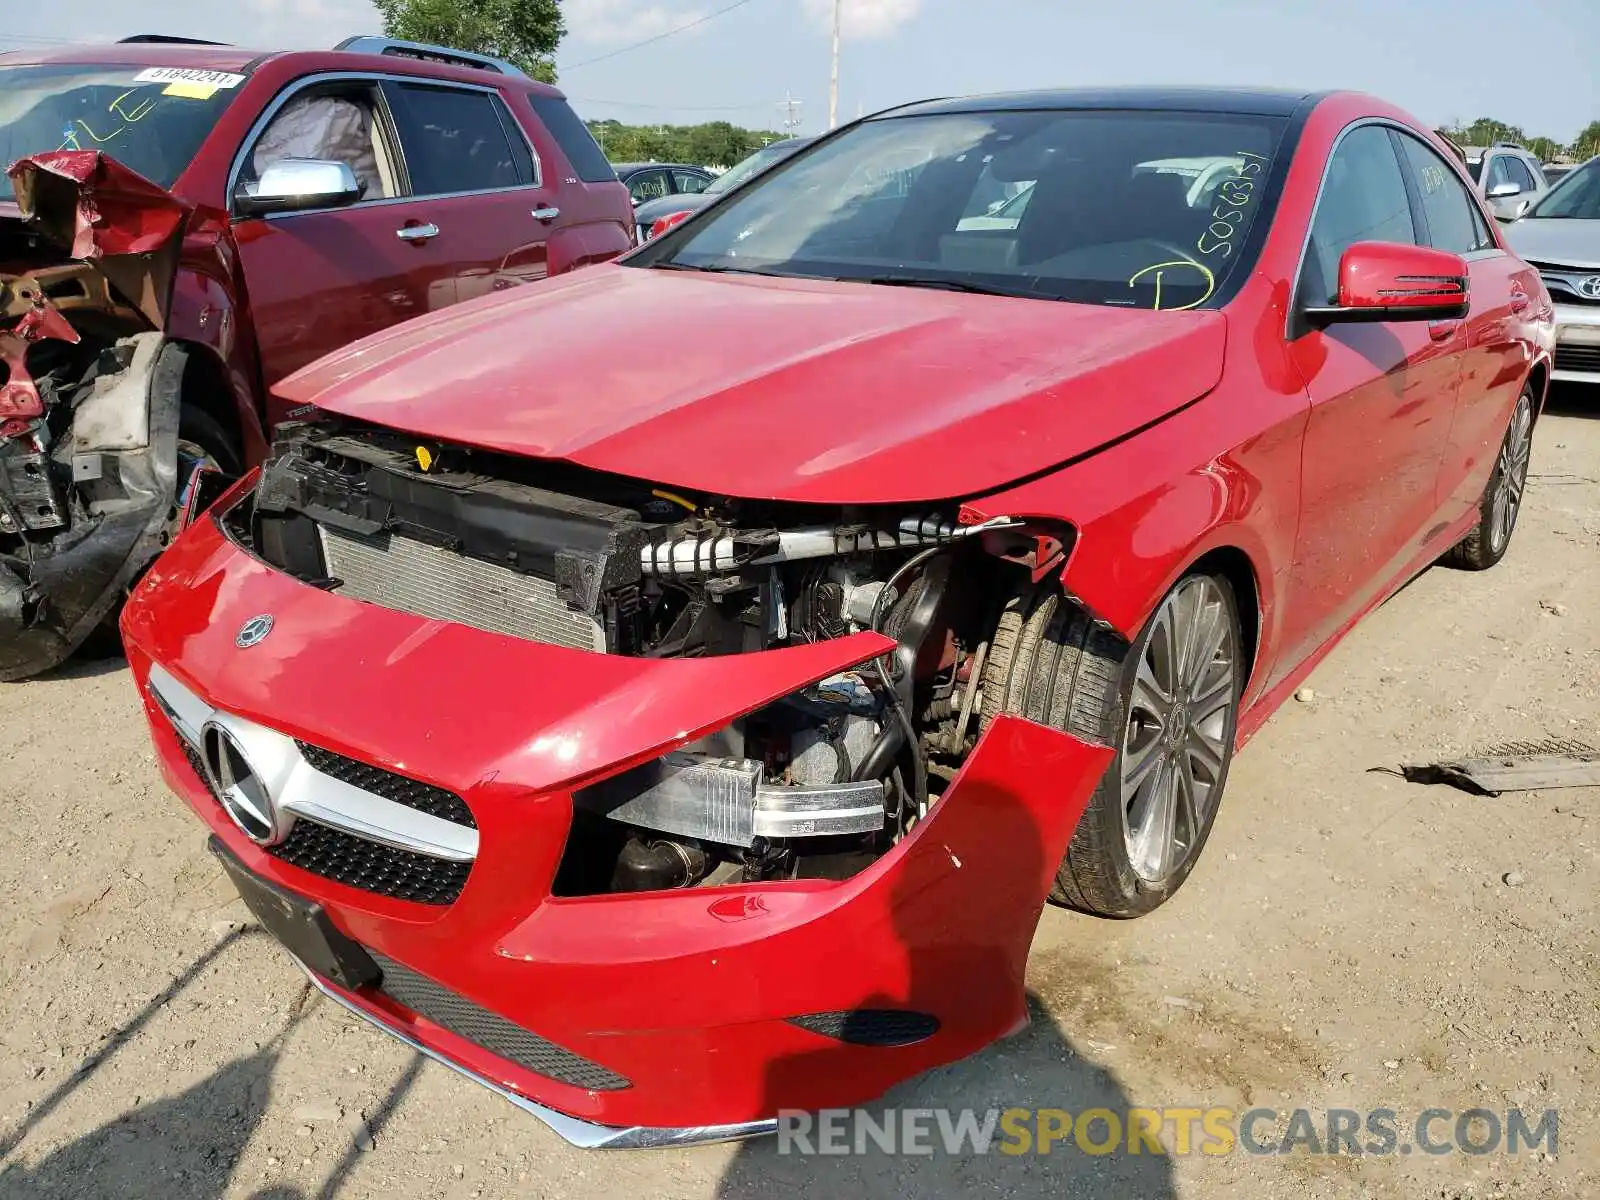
(790,107)
(833,86)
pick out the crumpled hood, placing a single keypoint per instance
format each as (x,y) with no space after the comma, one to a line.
(775,388)
(1556,240)
(99,211)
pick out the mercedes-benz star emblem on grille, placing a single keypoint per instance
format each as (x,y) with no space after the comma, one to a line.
(242,792)
(253,632)
(1589,286)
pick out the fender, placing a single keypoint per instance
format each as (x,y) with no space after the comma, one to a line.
(1148,508)
(210,314)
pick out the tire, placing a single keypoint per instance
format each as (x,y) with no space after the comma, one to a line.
(1490,538)
(1048,662)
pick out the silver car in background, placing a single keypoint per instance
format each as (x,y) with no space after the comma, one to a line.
(1560,235)
(1510,178)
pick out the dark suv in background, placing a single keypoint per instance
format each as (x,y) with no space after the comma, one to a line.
(185,224)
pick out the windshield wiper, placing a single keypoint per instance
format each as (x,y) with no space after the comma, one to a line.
(943,285)
(710,270)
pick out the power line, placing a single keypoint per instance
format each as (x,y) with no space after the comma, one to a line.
(660,37)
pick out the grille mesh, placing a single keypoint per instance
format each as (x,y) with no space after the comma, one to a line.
(414,577)
(1577,358)
(371,866)
(871,1026)
(493,1032)
(424,797)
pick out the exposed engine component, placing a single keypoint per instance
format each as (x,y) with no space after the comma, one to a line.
(817,783)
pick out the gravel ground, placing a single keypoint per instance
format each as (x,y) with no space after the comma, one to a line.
(1348,941)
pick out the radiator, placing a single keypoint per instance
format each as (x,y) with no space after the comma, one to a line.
(414,577)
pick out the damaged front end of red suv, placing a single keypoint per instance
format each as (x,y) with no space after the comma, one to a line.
(659,813)
(88,426)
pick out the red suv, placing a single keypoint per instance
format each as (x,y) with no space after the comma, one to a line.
(185,224)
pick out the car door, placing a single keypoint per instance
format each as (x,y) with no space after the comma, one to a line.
(481,213)
(1382,398)
(1502,292)
(318,279)
(690,183)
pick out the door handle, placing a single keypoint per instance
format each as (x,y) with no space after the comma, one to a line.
(417,233)
(1441,331)
(546,214)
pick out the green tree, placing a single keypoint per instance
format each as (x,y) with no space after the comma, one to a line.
(1587,144)
(1543,148)
(525,32)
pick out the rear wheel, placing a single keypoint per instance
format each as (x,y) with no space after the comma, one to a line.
(1169,704)
(1502,496)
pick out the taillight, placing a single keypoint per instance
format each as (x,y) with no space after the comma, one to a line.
(671,221)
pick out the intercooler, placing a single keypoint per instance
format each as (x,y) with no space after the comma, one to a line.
(430,581)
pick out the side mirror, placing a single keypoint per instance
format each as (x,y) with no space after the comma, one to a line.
(1501,190)
(299,183)
(1390,281)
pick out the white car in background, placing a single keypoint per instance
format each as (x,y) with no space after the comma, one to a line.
(1560,235)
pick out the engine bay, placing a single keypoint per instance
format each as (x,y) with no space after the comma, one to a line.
(817,784)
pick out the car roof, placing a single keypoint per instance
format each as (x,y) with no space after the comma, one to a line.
(151,54)
(1273,102)
(207,57)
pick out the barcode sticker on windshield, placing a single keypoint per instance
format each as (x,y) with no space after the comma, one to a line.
(214,79)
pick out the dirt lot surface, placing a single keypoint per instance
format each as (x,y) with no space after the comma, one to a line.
(1348,941)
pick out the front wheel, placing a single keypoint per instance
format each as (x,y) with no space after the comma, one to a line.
(1502,496)
(1169,703)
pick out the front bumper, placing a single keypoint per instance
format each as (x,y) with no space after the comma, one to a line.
(1577,357)
(690,997)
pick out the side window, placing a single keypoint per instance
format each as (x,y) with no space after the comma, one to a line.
(456,140)
(574,138)
(1455,222)
(336,122)
(1363,200)
(1520,174)
(648,185)
(1499,171)
(689,182)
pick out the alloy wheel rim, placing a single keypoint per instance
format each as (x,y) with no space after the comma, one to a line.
(1511,472)
(1175,744)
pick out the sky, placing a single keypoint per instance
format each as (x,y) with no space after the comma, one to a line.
(1531,65)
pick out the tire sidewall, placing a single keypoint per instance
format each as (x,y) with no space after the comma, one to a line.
(1106,806)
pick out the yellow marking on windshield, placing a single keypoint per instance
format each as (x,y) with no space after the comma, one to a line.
(1161,269)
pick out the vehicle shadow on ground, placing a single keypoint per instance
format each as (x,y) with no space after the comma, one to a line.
(1036,1069)
(183,1147)
(1574,400)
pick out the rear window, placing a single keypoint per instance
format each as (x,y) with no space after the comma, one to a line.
(575,140)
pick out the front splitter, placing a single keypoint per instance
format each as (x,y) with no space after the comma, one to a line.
(584,1134)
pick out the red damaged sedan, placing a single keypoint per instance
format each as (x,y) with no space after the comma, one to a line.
(669,694)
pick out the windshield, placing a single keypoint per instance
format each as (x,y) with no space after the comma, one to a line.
(1140,209)
(756,163)
(1576,197)
(150,119)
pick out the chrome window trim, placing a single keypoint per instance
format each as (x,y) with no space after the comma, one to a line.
(1322,190)
(379,77)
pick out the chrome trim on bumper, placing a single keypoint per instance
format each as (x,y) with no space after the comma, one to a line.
(297,789)
(586,1135)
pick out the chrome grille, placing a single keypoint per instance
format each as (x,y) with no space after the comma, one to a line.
(430,581)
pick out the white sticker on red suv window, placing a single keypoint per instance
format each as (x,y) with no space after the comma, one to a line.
(213,79)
